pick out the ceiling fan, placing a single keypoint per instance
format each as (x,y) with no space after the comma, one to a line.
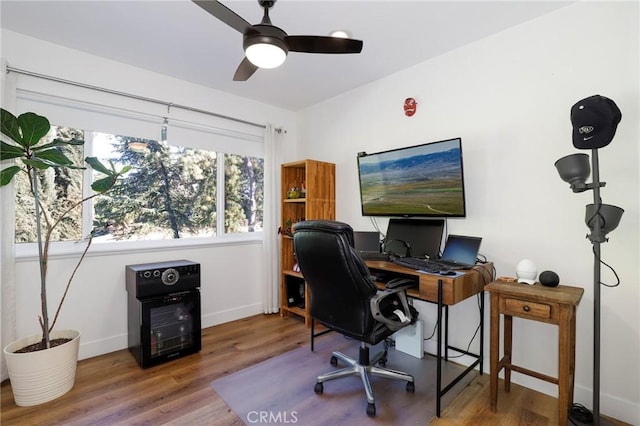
(266,46)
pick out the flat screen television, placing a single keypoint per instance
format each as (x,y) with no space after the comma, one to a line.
(422,180)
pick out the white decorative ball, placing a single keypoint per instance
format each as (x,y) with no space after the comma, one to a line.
(526,271)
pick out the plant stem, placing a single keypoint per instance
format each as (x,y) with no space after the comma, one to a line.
(66,290)
(43,268)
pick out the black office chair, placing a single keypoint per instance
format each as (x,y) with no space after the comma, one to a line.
(344,299)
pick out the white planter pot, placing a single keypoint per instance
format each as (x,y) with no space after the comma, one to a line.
(42,376)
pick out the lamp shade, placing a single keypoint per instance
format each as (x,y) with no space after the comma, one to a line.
(574,169)
(606,216)
(264,50)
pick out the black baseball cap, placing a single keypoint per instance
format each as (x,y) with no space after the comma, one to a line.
(595,120)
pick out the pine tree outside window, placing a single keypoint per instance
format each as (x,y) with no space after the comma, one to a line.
(172,192)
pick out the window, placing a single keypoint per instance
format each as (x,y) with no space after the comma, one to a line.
(244,195)
(57,188)
(170,192)
(205,183)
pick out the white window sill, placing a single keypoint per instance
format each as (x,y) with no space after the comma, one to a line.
(61,250)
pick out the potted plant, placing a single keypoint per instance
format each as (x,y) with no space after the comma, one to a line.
(33,379)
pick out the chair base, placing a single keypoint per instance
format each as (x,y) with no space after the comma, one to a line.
(364,369)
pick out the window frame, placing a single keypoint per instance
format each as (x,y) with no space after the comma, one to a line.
(228,130)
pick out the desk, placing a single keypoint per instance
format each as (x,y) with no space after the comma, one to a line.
(553,305)
(444,291)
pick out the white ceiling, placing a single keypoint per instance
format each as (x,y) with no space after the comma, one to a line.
(179,39)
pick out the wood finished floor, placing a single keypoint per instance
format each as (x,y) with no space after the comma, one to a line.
(113,390)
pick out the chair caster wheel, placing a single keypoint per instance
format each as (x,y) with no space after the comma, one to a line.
(334,361)
(411,387)
(371,410)
(318,388)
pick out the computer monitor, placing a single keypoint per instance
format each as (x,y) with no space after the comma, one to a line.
(414,237)
(366,241)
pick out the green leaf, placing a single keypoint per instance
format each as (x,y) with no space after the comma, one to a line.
(8,152)
(38,164)
(97,165)
(34,127)
(104,184)
(70,142)
(7,174)
(55,157)
(10,126)
(58,142)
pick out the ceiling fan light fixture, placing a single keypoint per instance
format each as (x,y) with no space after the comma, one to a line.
(340,34)
(265,52)
(267,46)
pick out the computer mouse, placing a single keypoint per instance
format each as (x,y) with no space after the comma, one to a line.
(447,273)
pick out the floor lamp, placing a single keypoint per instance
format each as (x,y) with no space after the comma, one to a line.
(594,120)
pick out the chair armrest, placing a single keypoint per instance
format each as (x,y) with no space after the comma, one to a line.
(395,323)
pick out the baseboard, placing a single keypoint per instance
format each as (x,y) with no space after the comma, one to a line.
(117,342)
(611,406)
(101,346)
(431,348)
(229,315)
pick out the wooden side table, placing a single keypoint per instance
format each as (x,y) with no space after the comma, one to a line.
(553,305)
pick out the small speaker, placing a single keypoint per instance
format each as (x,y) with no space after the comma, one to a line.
(549,279)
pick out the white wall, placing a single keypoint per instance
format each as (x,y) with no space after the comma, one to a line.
(232,273)
(509,97)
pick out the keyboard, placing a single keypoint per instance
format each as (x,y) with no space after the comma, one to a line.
(420,264)
(373,255)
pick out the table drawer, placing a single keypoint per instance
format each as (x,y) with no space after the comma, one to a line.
(528,309)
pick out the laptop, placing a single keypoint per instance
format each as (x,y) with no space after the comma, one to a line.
(460,252)
(367,244)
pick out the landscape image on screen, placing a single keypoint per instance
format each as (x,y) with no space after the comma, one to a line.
(424,180)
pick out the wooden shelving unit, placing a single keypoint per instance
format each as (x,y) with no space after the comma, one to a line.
(318,202)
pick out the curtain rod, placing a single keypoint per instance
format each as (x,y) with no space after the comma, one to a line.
(129,95)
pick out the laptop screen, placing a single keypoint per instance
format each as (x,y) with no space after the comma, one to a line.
(366,241)
(461,249)
(422,236)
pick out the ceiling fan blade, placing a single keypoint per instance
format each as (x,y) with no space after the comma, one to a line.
(323,44)
(244,70)
(224,14)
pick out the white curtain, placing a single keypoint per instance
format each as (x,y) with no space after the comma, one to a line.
(7,255)
(271,210)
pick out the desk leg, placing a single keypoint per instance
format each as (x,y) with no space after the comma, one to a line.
(494,350)
(439,351)
(446,332)
(564,350)
(508,343)
(481,330)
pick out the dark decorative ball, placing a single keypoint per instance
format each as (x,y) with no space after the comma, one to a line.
(549,278)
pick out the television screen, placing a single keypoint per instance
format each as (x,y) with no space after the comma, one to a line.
(422,180)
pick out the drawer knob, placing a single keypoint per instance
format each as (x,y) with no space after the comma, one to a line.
(526,308)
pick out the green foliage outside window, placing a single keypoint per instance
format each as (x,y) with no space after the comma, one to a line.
(170,192)
(58,187)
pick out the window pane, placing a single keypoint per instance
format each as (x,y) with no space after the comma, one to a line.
(244,193)
(170,192)
(58,189)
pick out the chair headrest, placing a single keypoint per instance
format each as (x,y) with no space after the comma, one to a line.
(323,225)
(326,226)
